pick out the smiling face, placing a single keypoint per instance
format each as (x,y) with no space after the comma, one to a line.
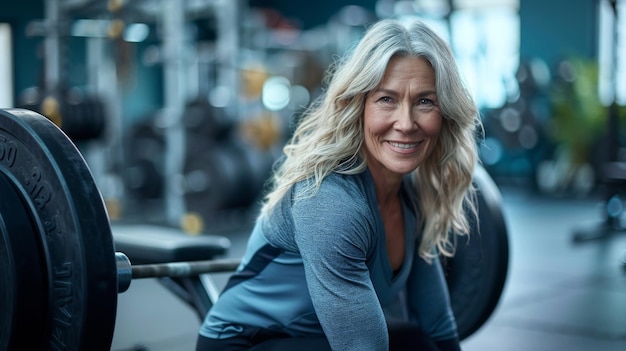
(402,119)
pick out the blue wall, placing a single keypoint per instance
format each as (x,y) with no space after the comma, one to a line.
(553,29)
(310,14)
(26,63)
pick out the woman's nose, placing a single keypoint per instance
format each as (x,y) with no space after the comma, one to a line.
(406,120)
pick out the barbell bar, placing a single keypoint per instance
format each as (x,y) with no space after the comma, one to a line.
(61,274)
(126,271)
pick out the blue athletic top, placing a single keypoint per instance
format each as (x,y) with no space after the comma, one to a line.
(320,265)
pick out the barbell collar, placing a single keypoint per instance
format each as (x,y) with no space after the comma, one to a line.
(124,272)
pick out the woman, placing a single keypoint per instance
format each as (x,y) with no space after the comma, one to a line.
(344,254)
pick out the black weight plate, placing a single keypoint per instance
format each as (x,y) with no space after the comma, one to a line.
(7,293)
(207,122)
(143,176)
(66,208)
(477,272)
(216,178)
(23,296)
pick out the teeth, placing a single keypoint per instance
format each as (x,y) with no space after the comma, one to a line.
(402,145)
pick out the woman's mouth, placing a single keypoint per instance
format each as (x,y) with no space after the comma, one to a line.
(404,146)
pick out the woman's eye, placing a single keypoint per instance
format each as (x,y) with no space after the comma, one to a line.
(425,104)
(385,99)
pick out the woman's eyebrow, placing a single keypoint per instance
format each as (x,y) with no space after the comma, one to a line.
(426,93)
(385,91)
(392,92)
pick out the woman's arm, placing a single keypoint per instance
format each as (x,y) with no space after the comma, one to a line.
(333,239)
(429,303)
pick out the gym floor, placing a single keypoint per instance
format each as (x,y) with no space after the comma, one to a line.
(558,296)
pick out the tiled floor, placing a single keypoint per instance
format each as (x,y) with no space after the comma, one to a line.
(558,296)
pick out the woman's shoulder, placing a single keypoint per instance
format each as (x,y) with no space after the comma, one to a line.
(343,199)
(339,211)
(335,189)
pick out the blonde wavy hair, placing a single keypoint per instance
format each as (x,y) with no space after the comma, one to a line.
(330,136)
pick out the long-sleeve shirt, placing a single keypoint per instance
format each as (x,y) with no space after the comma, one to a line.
(318,265)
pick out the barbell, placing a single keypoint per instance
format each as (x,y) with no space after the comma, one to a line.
(60,273)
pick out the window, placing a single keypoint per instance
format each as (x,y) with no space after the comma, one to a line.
(6,66)
(612,53)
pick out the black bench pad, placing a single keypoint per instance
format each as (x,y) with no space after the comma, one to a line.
(145,244)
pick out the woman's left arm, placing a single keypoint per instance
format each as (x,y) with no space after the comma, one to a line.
(429,303)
